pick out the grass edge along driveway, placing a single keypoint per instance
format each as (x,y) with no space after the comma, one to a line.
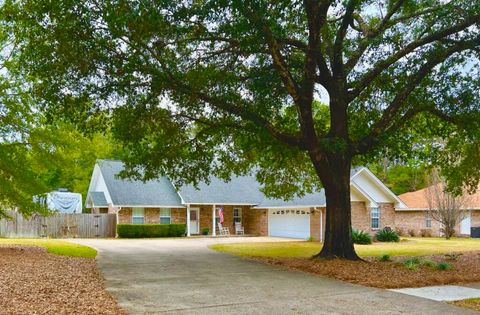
(53,246)
(406,247)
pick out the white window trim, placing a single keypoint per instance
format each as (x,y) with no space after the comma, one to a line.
(138,216)
(239,216)
(169,216)
(428,221)
(376,217)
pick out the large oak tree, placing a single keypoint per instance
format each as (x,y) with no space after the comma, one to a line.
(222,87)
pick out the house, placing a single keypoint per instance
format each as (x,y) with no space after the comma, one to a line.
(415,216)
(158,201)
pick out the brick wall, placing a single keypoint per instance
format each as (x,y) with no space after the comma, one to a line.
(178,215)
(415,220)
(387,215)
(315,223)
(125,216)
(360,216)
(256,222)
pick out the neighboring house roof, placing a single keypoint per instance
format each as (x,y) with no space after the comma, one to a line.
(98,199)
(239,190)
(128,192)
(417,200)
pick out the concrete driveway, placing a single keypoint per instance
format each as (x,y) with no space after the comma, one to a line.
(184,276)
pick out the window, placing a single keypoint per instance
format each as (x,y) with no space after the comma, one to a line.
(428,221)
(237,215)
(138,216)
(375,217)
(165,216)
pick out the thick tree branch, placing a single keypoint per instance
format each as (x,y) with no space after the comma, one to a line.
(390,113)
(277,57)
(337,64)
(363,82)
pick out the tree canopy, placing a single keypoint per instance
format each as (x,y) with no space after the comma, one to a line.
(223,87)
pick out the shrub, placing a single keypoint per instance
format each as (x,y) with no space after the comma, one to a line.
(400,231)
(311,239)
(412,233)
(412,263)
(150,230)
(361,237)
(205,231)
(425,233)
(387,236)
(385,258)
(444,266)
(429,263)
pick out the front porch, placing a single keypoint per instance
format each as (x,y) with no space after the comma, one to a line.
(205,219)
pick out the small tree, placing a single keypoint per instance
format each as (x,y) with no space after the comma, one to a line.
(444,207)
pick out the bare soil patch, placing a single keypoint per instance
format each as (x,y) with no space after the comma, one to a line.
(33,281)
(387,275)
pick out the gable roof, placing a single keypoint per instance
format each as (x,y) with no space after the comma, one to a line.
(239,190)
(417,200)
(127,192)
(98,199)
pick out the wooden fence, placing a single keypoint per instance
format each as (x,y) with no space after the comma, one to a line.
(62,225)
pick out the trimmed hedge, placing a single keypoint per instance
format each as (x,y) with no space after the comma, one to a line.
(150,230)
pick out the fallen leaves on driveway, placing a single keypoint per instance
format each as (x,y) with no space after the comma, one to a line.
(388,275)
(33,281)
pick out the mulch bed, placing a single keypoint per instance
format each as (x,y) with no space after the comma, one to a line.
(33,281)
(388,275)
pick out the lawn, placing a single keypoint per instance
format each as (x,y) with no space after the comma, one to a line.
(406,247)
(54,246)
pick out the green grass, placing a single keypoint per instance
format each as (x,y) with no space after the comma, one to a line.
(406,247)
(54,246)
(473,304)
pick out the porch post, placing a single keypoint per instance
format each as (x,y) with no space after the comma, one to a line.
(188,219)
(214,222)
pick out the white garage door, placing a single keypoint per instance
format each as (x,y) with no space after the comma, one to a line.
(289,223)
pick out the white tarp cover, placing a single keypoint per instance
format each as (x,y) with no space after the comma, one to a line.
(65,202)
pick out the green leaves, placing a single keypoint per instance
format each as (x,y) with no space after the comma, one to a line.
(206,87)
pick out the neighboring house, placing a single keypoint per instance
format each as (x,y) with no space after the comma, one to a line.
(415,217)
(157,201)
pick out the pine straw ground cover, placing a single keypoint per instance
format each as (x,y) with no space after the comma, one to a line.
(33,281)
(389,274)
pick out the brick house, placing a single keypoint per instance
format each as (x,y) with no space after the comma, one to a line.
(374,206)
(415,216)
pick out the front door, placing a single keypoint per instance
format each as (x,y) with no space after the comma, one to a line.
(465,224)
(194,221)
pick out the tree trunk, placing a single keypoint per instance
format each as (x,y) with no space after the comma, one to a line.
(338,224)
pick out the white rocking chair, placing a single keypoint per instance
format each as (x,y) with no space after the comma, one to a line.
(223,230)
(239,228)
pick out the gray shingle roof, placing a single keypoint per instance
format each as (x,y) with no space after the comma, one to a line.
(98,199)
(127,192)
(161,192)
(239,190)
(313,199)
